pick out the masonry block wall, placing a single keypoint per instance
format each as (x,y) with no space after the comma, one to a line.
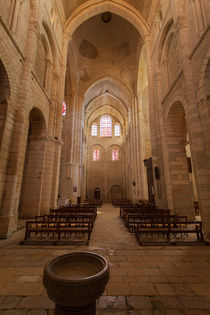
(23,29)
(156,84)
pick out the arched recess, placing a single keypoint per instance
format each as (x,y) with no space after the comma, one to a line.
(116,192)
(108,86)
(4,97)
(115,175)
(91,8)
(181,186)
(95,172)
(31,188)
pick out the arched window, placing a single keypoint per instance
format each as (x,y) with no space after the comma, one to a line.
(94,130)
(95,155)
(117,130)
(115,156)
(106,126)
(64,109)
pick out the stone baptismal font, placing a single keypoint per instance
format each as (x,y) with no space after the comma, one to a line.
(74,282)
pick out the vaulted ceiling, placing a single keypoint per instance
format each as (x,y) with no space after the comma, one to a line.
(143,6)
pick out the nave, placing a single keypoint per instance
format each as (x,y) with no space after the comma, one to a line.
(144,279)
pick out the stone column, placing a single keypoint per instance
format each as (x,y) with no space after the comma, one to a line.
(58,125)
(152,109)
(165,179)
(16,159)
(196,138)
(14,15)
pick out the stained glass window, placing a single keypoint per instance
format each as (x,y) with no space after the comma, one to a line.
(106,126)
(115,156)
(95,155)
(117,130)
(94,130)
(64,109)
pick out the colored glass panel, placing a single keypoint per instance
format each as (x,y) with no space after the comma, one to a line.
(95,155)
(117,130)
(94,130)
(106,126)
(115,156)
(64,109)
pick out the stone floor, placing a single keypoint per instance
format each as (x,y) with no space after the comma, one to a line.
(145,280)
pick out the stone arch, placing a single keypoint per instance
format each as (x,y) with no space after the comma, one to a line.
(31,189)
(51,40)
(112,147)
(101,149)
(116,192)
(207,80)
(4,83)
(4,98)
(124,94)
(163,38)
(33,9)
(91,8)
(181,187)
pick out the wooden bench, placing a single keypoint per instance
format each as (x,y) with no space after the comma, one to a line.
(169,229)
(75,211)
(57,227)
(133,219)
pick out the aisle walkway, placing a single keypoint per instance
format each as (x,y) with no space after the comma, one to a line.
(148,280)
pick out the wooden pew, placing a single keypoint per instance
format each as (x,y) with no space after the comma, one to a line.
(56,228)
(168,230)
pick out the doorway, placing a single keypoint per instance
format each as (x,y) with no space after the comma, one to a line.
(97,193)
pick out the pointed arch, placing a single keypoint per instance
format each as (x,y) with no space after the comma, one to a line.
(121,8)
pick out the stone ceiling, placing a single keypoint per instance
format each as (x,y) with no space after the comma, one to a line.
(143,6)
(106,50)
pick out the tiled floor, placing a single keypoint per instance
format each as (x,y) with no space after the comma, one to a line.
(144,280)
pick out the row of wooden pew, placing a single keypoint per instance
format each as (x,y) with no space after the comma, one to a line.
(71,225)
(150,224)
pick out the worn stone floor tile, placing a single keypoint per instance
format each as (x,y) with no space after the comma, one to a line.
(129,279)
(139,303)
(158,279)
(200,288)
(197,312)
(153,272)
(118,258)
(194,279)
(29,279)
(126,264)
(118,272)
(141,312)
(194,302)
(2,297)
(164,289)
(111,302)
(174,279)
(166,302)
(134,272)
(37,271)
(142,279)
(14,312)
(23,290)
(117,279)
(110,312)
(182,289)
(9,302)
(118,289)
(143,289)
(36,302)
(37,312)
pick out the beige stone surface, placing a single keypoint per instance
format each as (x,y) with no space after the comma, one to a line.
(21,272)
